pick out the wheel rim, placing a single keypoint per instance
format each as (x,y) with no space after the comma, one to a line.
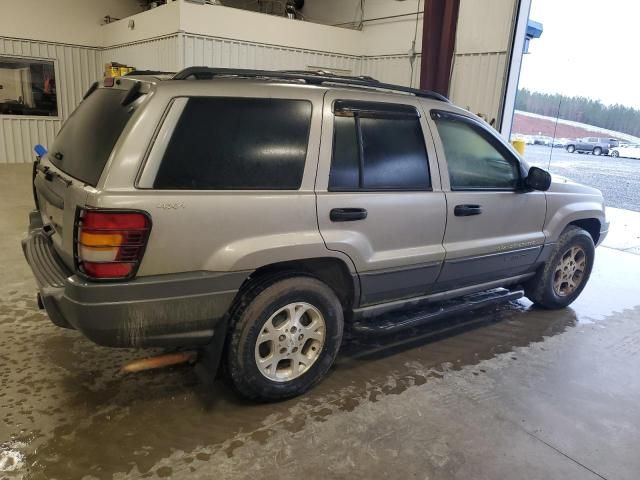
(570,271)
(290,342)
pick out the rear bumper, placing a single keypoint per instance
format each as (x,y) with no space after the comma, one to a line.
(157,311)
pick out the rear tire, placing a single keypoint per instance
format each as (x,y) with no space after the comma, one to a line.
(284,338)
(571,148)
(597,151)
(564,276)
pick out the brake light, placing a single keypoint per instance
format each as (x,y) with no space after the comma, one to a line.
(110,244)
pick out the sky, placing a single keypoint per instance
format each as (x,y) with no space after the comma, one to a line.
(588,48)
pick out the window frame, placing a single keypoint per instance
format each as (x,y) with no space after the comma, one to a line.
(374,109)
(491,138)
(168,122)
(56,72)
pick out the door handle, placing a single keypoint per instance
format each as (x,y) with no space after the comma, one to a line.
(467,210)
(347,214)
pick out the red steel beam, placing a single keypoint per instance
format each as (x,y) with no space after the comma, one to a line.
(438,41)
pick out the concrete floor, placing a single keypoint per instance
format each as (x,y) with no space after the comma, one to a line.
(507,392)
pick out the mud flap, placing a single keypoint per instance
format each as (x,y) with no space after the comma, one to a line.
(211,354)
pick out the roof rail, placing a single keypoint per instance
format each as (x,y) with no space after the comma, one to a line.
(312,78)
(148,72)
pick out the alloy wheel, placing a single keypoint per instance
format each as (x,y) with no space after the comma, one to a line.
(569,272)
(290,342)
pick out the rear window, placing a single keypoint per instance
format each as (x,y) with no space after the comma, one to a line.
(237,144)
(87,138)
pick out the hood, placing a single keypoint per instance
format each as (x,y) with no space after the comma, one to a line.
(561,184)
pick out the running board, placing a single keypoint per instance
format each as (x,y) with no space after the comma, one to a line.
(403,319)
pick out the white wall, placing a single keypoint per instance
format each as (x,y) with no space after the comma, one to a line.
(236,24)
(75,67)
(157,22)
(388,36)
(72,22)
(480,62)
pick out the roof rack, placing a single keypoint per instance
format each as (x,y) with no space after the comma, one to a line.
(148,72)
(310,77)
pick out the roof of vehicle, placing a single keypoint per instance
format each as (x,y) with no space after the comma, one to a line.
(318,78)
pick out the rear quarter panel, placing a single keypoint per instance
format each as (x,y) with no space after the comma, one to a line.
(217,230)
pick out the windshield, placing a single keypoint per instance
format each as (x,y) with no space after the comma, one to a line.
(87,138)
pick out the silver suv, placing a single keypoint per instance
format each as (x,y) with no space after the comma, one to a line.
(255,214)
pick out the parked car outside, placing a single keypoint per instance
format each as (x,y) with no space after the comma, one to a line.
(254,214)
(560,142)
(594,145)
(542,140)
(626,151)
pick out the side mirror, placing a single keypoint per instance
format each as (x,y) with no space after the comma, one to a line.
(538,179)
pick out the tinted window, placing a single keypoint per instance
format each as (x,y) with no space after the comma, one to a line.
(86,140)
(237,143)
(472,160)
(345,165)
(394,154)
(393,151)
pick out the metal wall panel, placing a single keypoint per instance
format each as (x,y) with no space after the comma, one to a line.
(76,68)
(392,69)
(156,54)
(478,82)
(220,52)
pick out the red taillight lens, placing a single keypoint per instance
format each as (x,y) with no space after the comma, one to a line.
(110,244)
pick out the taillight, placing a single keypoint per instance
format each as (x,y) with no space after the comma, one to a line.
(110,244)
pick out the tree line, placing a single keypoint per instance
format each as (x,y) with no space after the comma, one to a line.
(580,109)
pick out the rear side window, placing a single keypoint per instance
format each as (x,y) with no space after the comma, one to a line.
(378,146)
(87,138)
(237,143)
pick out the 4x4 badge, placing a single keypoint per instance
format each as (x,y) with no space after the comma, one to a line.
(171,206)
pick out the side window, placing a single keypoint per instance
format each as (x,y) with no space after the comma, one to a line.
(223,143)
(473,161)
(378,146)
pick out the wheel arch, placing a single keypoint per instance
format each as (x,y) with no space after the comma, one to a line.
(332,271)
(591,225)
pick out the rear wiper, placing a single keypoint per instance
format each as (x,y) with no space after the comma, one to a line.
(58,156)
(50,174)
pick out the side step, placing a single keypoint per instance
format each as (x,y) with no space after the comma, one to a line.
(402,319)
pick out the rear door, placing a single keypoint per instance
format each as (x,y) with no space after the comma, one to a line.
(378,190)
(494,230)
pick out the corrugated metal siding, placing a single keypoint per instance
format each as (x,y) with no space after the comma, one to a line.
(478,82)
(155,54)
(392,69)
(220,52)
(76,68)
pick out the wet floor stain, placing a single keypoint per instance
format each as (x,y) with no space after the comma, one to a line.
(67,414)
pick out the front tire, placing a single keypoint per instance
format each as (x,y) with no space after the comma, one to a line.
(571,148)
(566,273)
(597,151)
(284,338)
(615,154)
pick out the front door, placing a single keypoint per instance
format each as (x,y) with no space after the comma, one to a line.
(494,227)
(378,192)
